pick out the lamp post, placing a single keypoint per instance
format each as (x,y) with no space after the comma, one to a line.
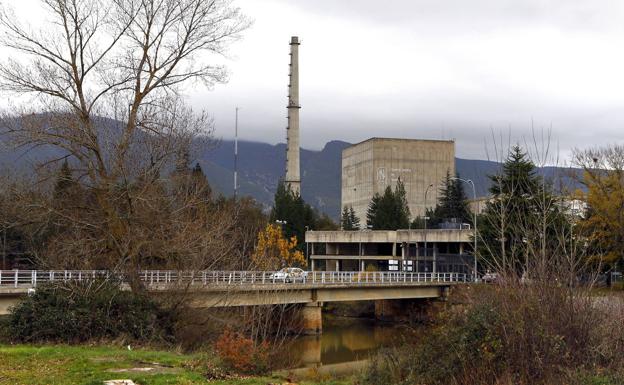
(306,247)
(406,256)
(426,191)
(281,223)
(474,213)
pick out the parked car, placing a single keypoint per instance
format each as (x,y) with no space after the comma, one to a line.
(289,274)
(490,277)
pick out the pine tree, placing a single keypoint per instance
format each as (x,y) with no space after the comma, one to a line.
(355,221)
(452,203)
(64,182)
(516,222)
(67,191)
(390,210)
(199,183)
(348,220)
(294,214)
(459,202)
(373,210)
(401,208)
(345,220)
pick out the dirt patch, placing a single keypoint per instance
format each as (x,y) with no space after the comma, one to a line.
(149,369)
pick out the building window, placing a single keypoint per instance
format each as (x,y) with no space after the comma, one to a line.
(393,265)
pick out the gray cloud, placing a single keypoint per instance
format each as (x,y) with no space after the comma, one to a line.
(431,69)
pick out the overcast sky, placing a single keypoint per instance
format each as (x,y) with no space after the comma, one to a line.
(428,69)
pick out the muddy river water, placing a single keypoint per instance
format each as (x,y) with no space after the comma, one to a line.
(344,346)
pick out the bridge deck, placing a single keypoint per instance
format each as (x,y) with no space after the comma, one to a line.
(224,289)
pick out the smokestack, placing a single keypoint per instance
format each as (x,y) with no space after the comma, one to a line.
(293,178)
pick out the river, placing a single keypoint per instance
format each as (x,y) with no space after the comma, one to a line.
(344,346)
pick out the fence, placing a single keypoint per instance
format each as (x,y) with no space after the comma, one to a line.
(30,278)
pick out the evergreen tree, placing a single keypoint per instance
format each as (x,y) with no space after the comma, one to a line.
(419,222)
(521,217)
(345,221)
(293,213)
(373,210)
(348,220)
(355,221)
(452,203)
(458,202)
(65,183)
(200,183)
(401,209)
(390,210)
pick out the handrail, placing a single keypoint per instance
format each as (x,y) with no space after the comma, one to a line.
(30,278)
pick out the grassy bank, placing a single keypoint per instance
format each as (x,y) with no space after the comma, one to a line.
(90,365)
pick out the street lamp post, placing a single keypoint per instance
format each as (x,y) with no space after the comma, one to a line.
(474,213)
(306,248)
(281,223)
(426,191)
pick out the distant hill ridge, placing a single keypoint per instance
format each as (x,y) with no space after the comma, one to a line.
(261,165)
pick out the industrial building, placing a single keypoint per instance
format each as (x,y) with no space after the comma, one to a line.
(423,251)
(368,167)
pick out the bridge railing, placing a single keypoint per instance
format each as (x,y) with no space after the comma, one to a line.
(30,278)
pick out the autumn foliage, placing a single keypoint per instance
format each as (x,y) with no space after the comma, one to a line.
(603,221)
(241,354)
(274,251)
(604,224)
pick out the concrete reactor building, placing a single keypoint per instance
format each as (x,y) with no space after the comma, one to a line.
(368,167)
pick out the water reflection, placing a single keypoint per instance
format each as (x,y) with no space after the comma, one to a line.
(344,340)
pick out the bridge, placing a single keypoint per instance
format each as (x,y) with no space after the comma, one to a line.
(206,289)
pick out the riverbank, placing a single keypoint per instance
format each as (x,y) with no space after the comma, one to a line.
(91,365)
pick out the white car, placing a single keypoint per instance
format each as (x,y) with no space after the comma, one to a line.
(490,277)
(289,274)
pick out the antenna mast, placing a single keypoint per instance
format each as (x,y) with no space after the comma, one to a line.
(236,154)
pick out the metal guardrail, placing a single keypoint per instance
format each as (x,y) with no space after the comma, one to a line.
(30,278)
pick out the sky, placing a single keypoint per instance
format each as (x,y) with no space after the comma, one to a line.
(432,69)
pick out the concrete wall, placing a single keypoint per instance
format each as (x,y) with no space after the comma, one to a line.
(229,296)
(370,166)
(386,236)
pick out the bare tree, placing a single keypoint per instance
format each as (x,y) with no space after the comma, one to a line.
(102,83)
(531,233)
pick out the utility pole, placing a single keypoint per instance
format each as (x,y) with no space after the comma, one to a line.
(236,155)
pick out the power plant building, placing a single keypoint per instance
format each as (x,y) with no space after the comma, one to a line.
(368,167)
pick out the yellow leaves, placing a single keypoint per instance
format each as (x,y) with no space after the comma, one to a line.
(605,223)
(274,251)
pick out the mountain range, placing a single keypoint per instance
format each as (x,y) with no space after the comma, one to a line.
(261,165)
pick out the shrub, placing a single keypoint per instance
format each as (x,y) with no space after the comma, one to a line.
(80,311)
(241,354)
(535,334)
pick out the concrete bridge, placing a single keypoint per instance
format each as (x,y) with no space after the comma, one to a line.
(206,289)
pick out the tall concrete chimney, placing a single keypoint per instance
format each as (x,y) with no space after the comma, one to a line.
(293,178)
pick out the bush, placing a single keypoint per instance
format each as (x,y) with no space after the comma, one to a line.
(80,311)
(241,354)
(534,334)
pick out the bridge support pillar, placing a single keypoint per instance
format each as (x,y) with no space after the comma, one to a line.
(311,318)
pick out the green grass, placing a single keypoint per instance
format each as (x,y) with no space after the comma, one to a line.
(90,365)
